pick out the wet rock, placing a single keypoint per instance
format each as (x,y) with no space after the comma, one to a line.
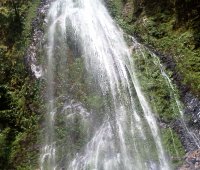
(32,65)
(188,139)
(193,107)
(192,161)
(152,165)
(191,103)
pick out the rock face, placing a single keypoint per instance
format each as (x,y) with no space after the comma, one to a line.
(185,14)
(30,58)
(151,7)
(190,101)
(193,106)
(192,161)
(188,140)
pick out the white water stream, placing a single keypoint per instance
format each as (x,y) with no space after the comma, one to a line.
(141,50)
(126,137)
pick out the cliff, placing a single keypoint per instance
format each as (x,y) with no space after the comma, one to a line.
(170,30)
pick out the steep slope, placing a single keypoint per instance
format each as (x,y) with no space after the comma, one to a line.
(170,30)
(19,94)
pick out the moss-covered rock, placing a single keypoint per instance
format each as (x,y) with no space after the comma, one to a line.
(173,146)
(168,31)
(165,26)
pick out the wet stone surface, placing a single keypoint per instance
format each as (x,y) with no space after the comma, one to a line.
(192,161)
(31,59)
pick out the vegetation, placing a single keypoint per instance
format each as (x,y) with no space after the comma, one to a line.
(165,27)
(173,146)
(156,86)
(18,92)
(162,99)
(171,27)
(81,85)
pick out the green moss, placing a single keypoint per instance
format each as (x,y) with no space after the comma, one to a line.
(155,86)
(77,85)
(177,43)
(180,46)
(162,99)
(69,131)
(94,101)
(30,15)
(115,7)
(173,146)
(156,24)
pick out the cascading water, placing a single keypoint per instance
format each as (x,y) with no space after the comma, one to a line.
(140,50)
(97,116)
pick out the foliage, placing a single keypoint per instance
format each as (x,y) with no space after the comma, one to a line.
(4,149)
(19,95)
(173,146)
(167,27)
(170,27)
(155,86)
(115,7)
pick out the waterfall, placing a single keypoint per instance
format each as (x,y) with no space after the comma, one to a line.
(97,115)
(140,51)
